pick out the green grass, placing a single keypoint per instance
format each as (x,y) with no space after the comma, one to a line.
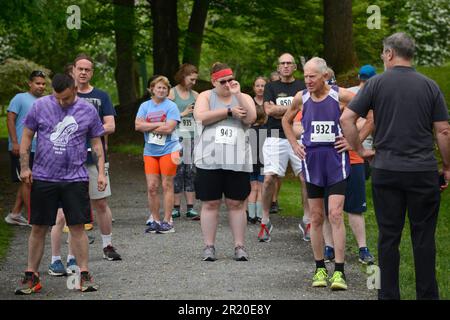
(6,233)
(3,128)
(133,149)
(290,201)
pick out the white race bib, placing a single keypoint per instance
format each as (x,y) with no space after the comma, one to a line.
(322,131)
(156,138)
(284,101)
(227,135)
(187,124)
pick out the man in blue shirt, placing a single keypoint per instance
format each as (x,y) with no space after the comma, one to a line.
(17,111)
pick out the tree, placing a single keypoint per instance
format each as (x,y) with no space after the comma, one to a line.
(338,35)
(194,35)
(124,29)
(165,37)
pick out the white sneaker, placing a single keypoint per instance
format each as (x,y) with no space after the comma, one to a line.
(16,219)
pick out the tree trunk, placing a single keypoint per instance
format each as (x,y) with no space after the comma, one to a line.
(165,37)
(338,35)
(124,30)
(194,36)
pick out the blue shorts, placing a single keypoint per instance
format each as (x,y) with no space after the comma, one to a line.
(256,176)
(355,194)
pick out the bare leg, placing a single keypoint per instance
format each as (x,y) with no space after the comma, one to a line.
(104,216)
(336,205)
(209,220)
(153,195)
(267,194)
(56,233)
(327,233)
(167,185)
(36,243)
(358,226)
(317,216)
(237,220)
(80,246)
(18,203)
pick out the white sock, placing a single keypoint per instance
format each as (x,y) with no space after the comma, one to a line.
(265,221)
(106,238)
(69,257)
(55,258)
(259,209)
(306,220)
(251,207)
(16,214)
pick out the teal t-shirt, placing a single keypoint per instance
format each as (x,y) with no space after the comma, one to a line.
(158,145)
(20,105)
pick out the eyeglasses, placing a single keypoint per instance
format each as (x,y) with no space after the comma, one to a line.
(37,73)
(289,63)
(222,82)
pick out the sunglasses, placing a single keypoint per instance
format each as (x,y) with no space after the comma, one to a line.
(222,82)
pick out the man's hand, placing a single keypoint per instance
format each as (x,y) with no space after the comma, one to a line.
(342,144)
(367,154)
(101,182)
(446,180)
(239,112)
(26,176)
(299,150)
(15,149)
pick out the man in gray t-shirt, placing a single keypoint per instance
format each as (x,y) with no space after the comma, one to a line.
(407,107)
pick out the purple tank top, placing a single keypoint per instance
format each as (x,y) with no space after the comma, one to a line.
(321,119)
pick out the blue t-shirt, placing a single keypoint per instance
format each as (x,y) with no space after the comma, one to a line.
(102,103)
(151,112)
(20,105)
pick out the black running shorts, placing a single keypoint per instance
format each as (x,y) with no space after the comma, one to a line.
(315,192)
(15,166)
(213,184)
(73,197)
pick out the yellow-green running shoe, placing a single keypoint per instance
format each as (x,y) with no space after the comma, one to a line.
(338,281)
(320,278)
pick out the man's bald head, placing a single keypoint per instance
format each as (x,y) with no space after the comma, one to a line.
(317,64)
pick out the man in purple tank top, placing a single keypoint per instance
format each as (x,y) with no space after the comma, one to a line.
(325,162)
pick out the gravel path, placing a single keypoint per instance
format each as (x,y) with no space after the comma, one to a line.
(169,266)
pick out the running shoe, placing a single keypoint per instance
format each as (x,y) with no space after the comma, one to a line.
(72,266)
(176,213)
(191,213)
(153,227)
(365,257)
(305,229)
(29,284)
(264,232)
(166,227)
(87,283)
(16,219)
(88,226)
(274,207)
(91,239)
(328,254)
(240,254)
(338,281)
(110,254)
(209,253)
(320,278)
(57,269)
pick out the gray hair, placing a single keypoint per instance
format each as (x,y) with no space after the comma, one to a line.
(401,43)
(320,63)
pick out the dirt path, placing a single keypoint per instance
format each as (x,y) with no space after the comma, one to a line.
(170,267)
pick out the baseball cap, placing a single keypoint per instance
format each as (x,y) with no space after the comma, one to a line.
(366,72)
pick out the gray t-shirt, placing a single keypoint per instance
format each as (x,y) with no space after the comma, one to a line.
(405,104)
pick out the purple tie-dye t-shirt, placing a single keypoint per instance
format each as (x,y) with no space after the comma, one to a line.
(61,138)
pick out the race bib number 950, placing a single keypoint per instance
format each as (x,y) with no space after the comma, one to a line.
(284,101)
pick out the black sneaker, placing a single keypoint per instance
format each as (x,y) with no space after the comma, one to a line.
(29,284)
(274,208)
(110,254)
(87,283)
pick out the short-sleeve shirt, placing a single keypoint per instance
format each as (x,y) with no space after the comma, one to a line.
(102,103)
(405,104)
(20,105)
(280,93)
(61,143)
(152,112)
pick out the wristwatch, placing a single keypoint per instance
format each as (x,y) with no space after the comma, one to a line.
(229,113)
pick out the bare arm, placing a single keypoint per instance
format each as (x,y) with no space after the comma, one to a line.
(367,126)
(442,129)
(25,148)
(348,123)
(99,160)
(143,126)
(345,96)
(275,110)
(109,124)
(167,128)
(287,122)
(11,124)
(246,102)
(203,114)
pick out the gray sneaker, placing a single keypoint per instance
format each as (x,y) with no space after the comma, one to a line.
(240,254)
(209,253)
(305,229)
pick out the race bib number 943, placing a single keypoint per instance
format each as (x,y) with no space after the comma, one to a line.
(156,138)
(322,131)
(225,134)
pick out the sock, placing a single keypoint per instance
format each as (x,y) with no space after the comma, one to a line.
(273,203)
(251,206)
(69,257)
(339,267)
(190,207)
(55,258)
(306,220)
(320,264)
(106,239)
(15,214)
(259,209)
(265,220)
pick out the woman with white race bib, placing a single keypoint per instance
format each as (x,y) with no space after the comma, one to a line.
(157,118)
(184,97)
(222,157)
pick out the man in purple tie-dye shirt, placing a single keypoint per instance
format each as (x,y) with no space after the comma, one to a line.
(63,123)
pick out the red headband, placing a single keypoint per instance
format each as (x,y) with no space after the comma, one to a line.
(221,74)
